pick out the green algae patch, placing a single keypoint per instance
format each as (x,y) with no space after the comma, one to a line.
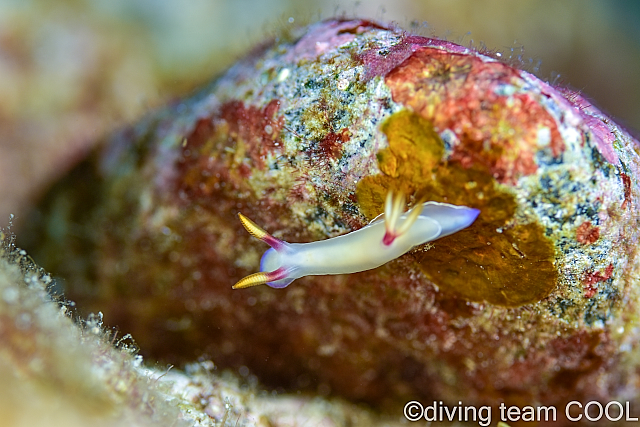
(496,260)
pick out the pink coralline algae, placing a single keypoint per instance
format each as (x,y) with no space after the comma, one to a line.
(591,280)
(534,303)
(587,233)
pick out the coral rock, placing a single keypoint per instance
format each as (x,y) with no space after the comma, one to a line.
(534,303)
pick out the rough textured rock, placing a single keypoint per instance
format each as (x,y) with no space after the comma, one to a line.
(56,372)
(534,303)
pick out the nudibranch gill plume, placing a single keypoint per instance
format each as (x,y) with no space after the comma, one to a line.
(387,237)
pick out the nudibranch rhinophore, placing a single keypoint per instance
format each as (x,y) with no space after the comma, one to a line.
(387,237)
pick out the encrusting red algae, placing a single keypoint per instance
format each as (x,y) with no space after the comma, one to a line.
(534,303)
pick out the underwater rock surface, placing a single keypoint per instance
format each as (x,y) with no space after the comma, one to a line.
(536,302)
(55,372)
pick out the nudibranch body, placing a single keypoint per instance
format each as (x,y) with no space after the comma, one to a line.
(386,238)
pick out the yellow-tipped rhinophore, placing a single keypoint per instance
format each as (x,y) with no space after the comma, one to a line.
(253,279)
(252,228)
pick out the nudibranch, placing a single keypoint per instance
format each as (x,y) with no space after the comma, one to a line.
(386,238)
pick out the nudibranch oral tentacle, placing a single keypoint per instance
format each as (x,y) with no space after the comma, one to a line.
(375,244)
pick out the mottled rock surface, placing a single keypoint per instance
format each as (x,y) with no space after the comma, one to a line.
(534,303)
(57,372)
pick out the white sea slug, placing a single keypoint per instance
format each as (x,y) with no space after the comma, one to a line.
(387,237)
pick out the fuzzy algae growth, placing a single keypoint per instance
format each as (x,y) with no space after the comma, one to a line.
(494,260)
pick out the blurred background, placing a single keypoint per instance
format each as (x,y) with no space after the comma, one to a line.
(71,71)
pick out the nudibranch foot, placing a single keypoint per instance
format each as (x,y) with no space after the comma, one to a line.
(379,242)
